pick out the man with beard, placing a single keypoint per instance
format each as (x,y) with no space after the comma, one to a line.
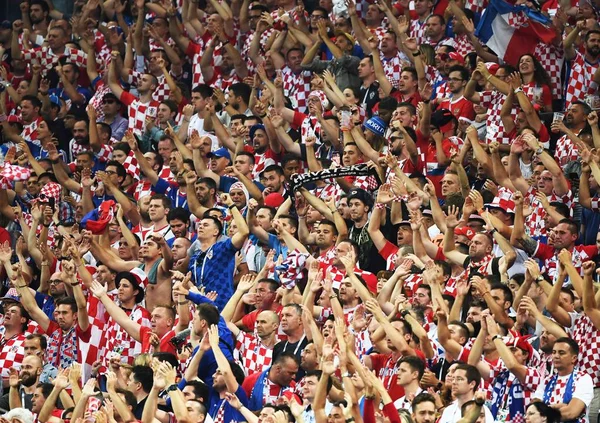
(81,139)
(36,345)
(12,351)
(296,81)
(408,87)
(38,15)
(30,114)
(584,66)
(71,92)
(267,152)
(369,86)
(576,122)
(23,383)
(435,31)
(232,68)
(179,221)
(265,298)
(424,408)
(238,98)
(458,76)
(274,181)
(158,60)
(111,107)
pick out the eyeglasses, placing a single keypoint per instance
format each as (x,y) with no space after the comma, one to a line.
(110,172)
(455,79)
(54,281)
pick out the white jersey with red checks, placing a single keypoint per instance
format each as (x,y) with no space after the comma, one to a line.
(296,87)
(162,91)
(48,59)
(97,99)
(392,68)
(12,353)
(534,223)
(533,379)
(138,112)
(580,80)
(566,151)
(493,101)
(549,257)
(464,45)
(587,336)
(552,58)
(253,355)
(29,132)
(119,341)
(558,393)
(417,30)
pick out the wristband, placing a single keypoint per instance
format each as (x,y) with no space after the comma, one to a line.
(479,401)
(540,278)
(172,388)
(487,78)
(224,43)
(493,231)
(332,296)
(347,374)
(232,206)
(518,90)
(539,151)
(380,206)
(404,313)
(74,284)
(416,53)
(350,420)
(46,226)
(497,336)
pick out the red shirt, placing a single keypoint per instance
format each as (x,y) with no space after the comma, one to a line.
(165,341)
(387,371)
(460,107)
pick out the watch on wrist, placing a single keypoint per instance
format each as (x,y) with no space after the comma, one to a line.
(497,336)
(172,388)
(518,90)
(539,150)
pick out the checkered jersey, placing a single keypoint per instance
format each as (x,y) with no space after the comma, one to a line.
(296,87)
(12,353)
(587,336)
(29,132)
(104,155)
(417,30)
(379,32)
(117,340)
(329,191)
(534,223)
(533,379)
(248,37)
(222,81)
(549,257)
(254,356)
(138,112)
(464,45)
(194,52)
(162,91)
(477,6)
(48,59)
(578,85)
(262,161)
(552,58)
(392,68)
(558,393)
(565,151)
(96,100)
(494,100)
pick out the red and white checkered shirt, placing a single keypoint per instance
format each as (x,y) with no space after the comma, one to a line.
(48,59)
(29,132)
(464,45)
(12,353)
(254,356)
(248,37)
(552,58)
(558,393)
(587,336)
(393,68)
(161,93)
(96,100)
(549,256)
(534,223)
(117,340)
(477,6)
(494,100)
(565,151)
(417,30)
(296,87)
(138,112)
(579,83)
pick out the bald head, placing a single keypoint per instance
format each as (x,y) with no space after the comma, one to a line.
(267,323)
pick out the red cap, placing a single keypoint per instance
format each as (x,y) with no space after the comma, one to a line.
(521,343)
(456,56)
(274,200)
(465,231)
(492,67)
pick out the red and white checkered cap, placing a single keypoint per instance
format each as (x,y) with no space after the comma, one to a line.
(140,277)
(502,203)
(321,96)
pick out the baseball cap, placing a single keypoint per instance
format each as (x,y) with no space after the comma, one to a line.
(456,56)
(274,200)
(221,152)
(501,203)
(5,25)
(110,96)
(442,119)
(362,195)
(54,99)
(465,231)
(492,67)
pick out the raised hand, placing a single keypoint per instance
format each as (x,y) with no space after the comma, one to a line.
(452,217)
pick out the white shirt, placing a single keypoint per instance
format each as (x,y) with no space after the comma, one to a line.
(584,391)
(452,414)
(403,404)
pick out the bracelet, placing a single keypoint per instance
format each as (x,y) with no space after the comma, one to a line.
(539,151)
(182,302)
(493,231)
(74,284)
(232,206)
(497,336)
(380,206)
(332,296)
(416,53)
(263,116)
(347,374)
(46,226)
(224,43)
(172,388)
(479,401)
(404,313)
(350,420)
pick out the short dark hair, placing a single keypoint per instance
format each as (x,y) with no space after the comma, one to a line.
(286,355)
(415,363)
(179,213)
(464,73)
(472,374)
(121,172)
(573,346)
(209,182)
(171,105)
(216,221)
(573,227)
(204,90)
(39,337)
(241,89)
(569,292)
(464,328)
(422,397)
(412,71)
(208,312)
(440,17)
(587,36)
(166,201)
(508,295)
(273,284)
(247,154)
(330,224)
(167,357)
(273,168)
(69,301)
(561,208)
(130,399)
(200,389)
(46,388)
(143,375)
(33,99)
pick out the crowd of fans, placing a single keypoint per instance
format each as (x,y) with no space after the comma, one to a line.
(270,212)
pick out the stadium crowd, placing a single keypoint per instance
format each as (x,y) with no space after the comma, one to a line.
(322,212)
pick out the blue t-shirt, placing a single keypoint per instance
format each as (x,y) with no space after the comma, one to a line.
(225,183)
(214,268)
(230,414)
(177,198)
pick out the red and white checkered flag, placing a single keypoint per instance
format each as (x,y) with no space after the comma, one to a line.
(290,270)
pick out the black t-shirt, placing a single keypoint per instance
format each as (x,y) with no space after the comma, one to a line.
(295,348)
(369,97)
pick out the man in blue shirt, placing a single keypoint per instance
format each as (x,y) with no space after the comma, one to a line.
(213,265)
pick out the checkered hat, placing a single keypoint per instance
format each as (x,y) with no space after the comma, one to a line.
(50,190)
(322,97)
(131,166)
(502,203)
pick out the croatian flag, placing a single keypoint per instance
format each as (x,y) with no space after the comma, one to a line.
(511,31)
